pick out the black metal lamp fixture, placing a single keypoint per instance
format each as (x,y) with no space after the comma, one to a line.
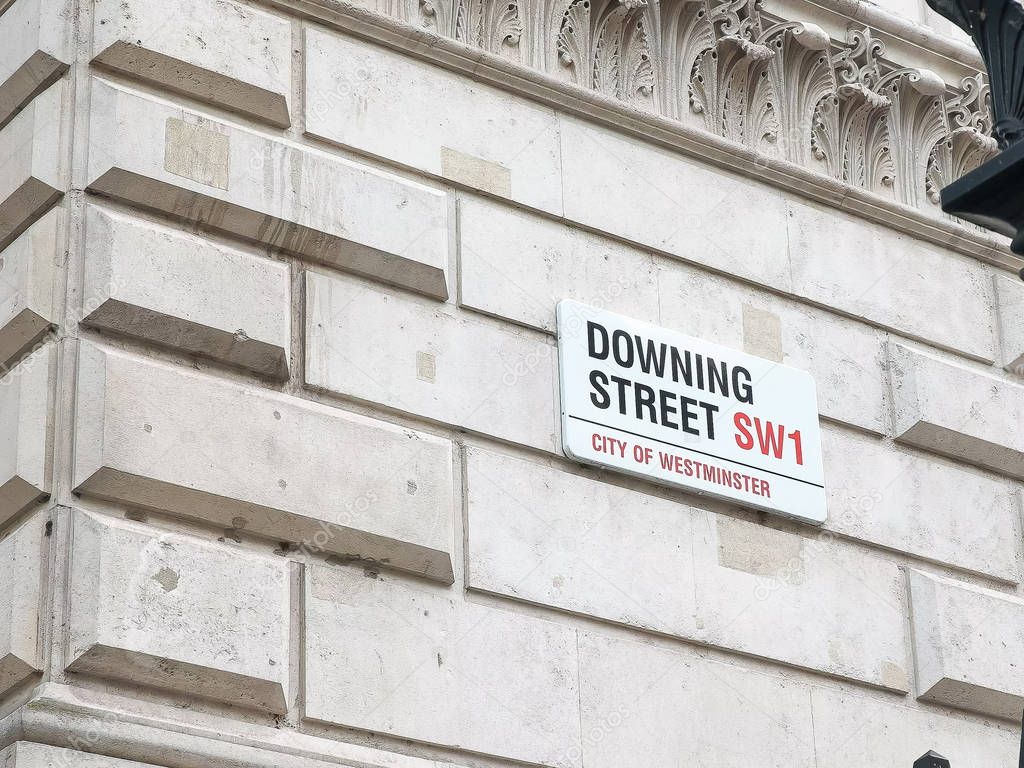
(992,195)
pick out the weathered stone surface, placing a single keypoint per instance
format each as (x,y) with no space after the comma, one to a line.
(25,754)
(437,363)
(911,503)
(159,436)
(296,199)
(518,266)
(956,411)
(186,292)
(362,95)
(855,731)
(378,650)
(26,418)
(226,53)
(675,204)
(31,176)
(22,559)
(676,708)
(545,536)
(28,269)
(967,644)
(894,282)
(845,357)
(1010,306)
(143,611)
(749,230)
(35,53)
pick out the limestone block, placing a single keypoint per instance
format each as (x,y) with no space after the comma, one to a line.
(26,418)
(518,266)
(161,437)
(855,731)
(545,536)
(904,501)
(675,204)
(419,663)
(22,563)
(143,611)
(895,281)
(548,537)
(240,183)
(1010,302)
(223,52)
(31,176)
(183,291)
(386,104)
(664,709)
(845,357)
(956,411)
(25,754)
(28,267)
(967,643)
(35,53)
(436,363)
(690,210)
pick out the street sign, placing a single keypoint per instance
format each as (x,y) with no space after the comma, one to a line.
(651,402)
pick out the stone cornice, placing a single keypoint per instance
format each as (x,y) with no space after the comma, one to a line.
(925,105)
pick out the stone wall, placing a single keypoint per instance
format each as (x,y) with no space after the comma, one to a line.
(281,480)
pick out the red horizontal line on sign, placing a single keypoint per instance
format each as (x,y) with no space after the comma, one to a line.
(694,450)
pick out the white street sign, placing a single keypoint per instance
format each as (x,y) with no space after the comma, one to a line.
(681,411)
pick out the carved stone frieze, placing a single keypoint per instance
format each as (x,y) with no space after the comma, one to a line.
(780,87)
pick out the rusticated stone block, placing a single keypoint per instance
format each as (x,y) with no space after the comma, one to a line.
(955,411)
(677,708)
(22,559)
(362,95)
(1010,304)
(438,362)
(967,643)
(545,536)
(35,53)
(378,651)
(28,268)
(185,292)
(31,177)
(517,265)
(169,611)
(229,54)
(162,437)
(26,418)
(859,731)
(900,499)
(899,293)
(239,183)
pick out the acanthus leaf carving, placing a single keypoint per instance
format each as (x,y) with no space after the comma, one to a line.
(781,88)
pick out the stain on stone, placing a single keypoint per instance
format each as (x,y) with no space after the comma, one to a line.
(196,153)
(761,552)
(147,427)
(476,172)
(762,333)
(894,676)
(167,579)
(426,367)
(411,487)
(440,661)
